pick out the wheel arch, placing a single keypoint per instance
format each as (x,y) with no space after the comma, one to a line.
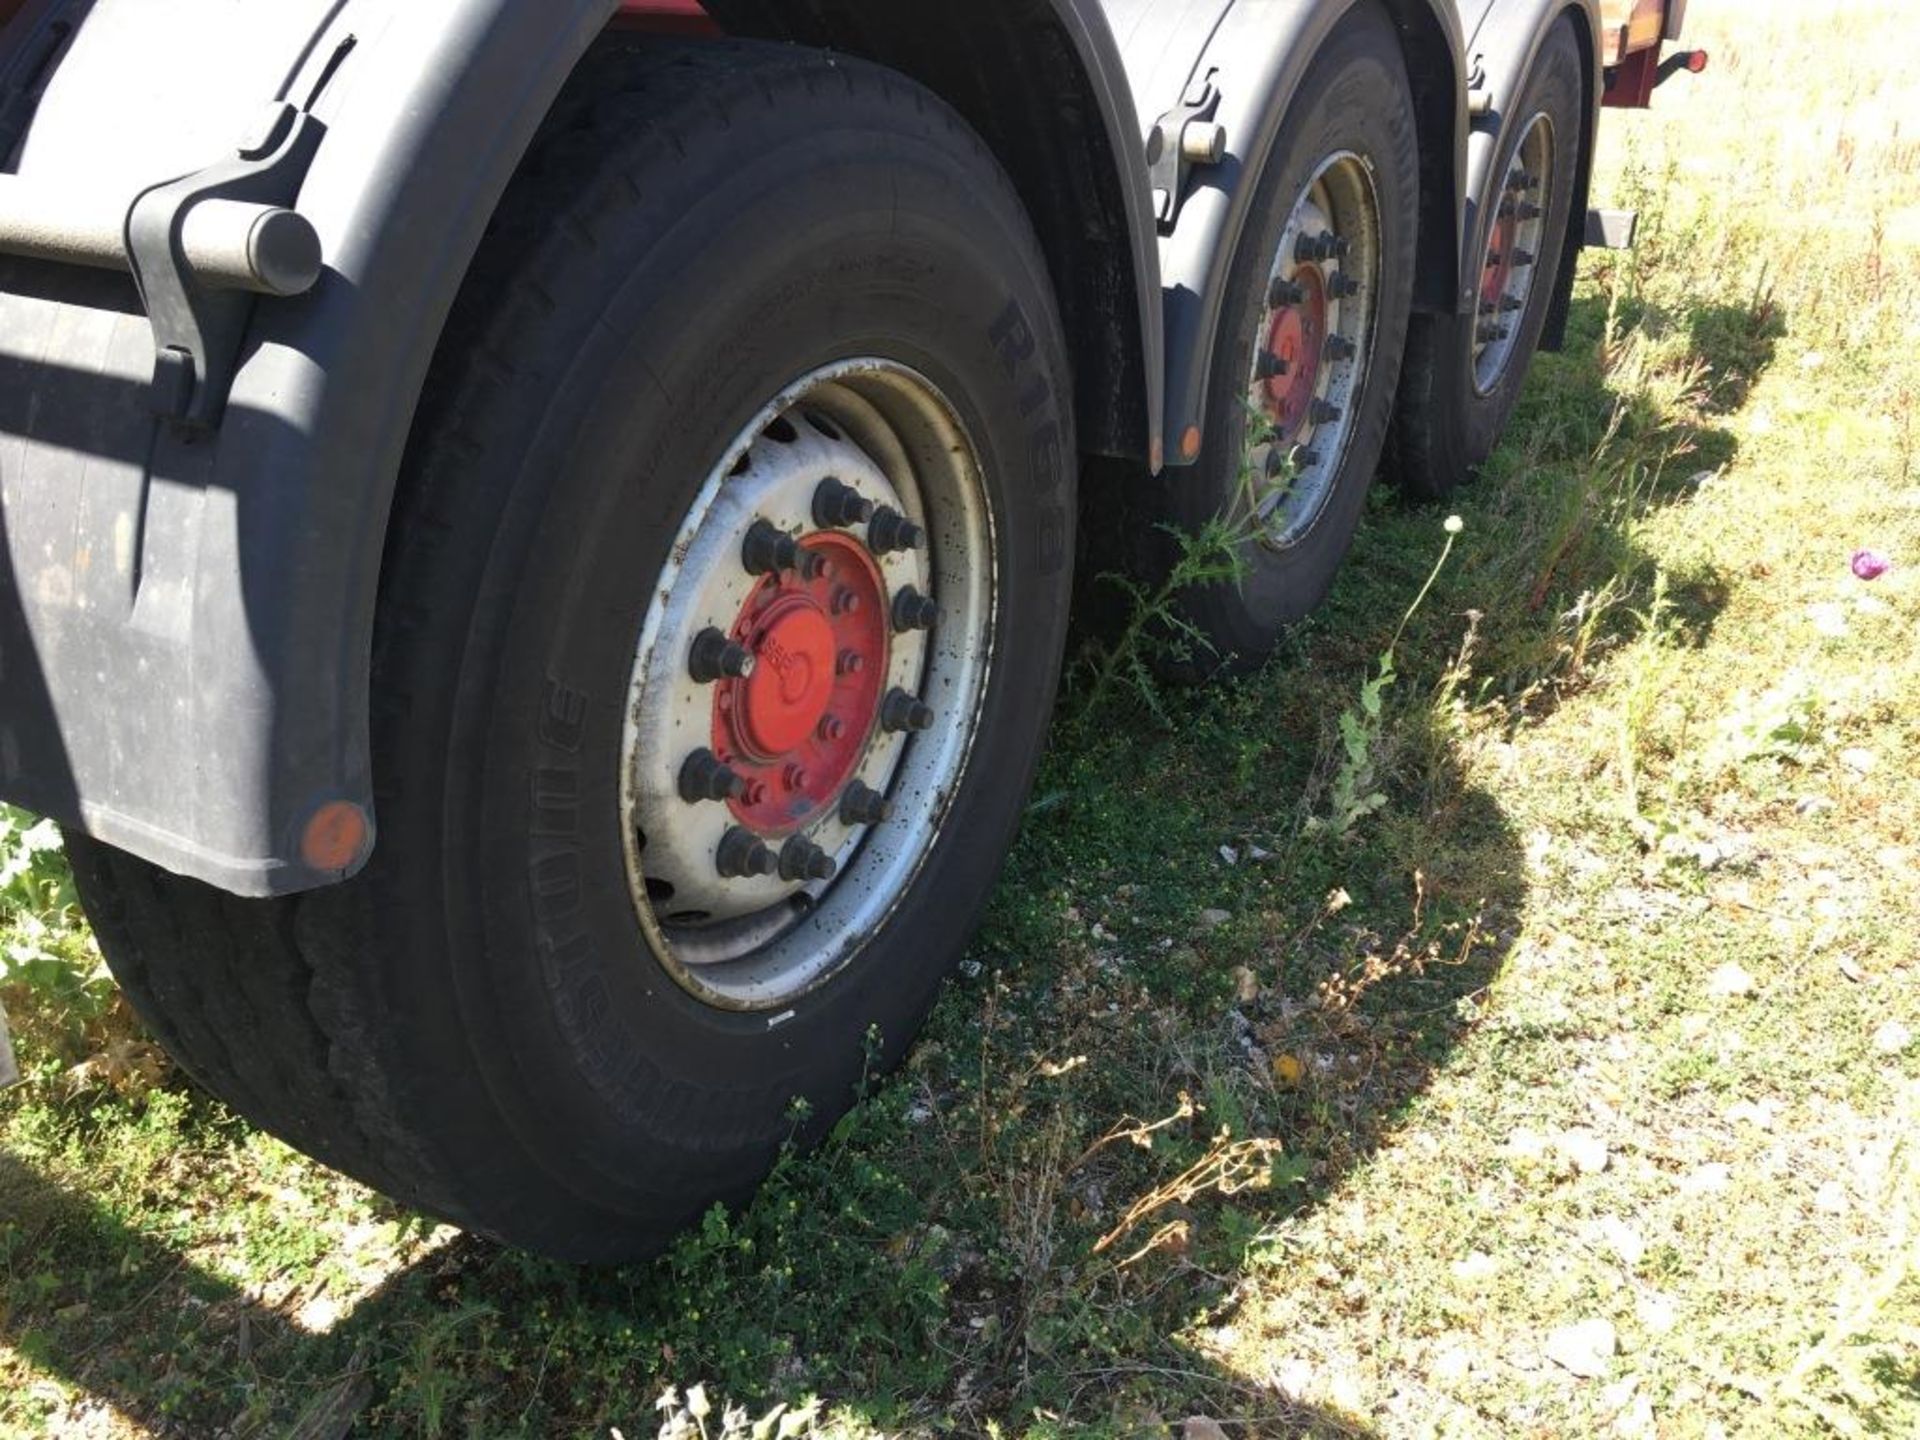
(1260,54)
(263,636)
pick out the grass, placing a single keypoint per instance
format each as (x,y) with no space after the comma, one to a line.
(1566,1093)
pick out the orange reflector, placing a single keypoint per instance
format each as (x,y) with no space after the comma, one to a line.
(335,837)
(1190,443)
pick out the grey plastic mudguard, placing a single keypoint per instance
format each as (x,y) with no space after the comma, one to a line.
(186,618)
(1258,52)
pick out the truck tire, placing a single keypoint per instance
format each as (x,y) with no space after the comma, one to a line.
(1463,373)
(1304,369)
(719,622)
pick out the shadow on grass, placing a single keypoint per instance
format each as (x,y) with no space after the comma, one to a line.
(1032,1222)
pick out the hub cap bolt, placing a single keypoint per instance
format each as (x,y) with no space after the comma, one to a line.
(863,805)
(705,776)
(849,662)
(1340,348)
(845,602)
(1511,303)
(743,854)
(1343,287)
(836,505)
(1522,259)
(914,611)
(889,530)
(1529,211)
(901,711)
(801,859)
(715,657)
(1489,334)
(1283,294)
(1322,412)
(1306,459)
(794,777)
(831,728)
(768,549)
(1269,366)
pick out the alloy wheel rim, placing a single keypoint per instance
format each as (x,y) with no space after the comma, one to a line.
(807,686)
(1509,268)
(1312,349)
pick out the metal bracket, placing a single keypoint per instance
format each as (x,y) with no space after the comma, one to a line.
(198,328)
(1184,138)
(1612,229)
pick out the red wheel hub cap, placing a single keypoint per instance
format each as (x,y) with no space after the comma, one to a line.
(797,728)
(1297,335)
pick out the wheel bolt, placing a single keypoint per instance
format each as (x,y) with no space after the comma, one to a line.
(743,854)
(1284,294)
(1306,459)
(705,776)
(849,662)
(1522,259)
(1489,334)
(889,530)
(1339,348)
(836,504)
(830,728)
(801,859)
(1511,303)
(794,777)
(1343,287)
(769,549)
(901,711)
(914,611)
(863,805)
(844,602)
(715,657)
(1322,412)
(1529,211)
(1269,366)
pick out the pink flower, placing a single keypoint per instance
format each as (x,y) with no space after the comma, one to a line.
(1870,566)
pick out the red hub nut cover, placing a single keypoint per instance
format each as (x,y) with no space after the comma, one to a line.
(798,727)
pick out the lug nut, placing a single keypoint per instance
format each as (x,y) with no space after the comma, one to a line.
(1339,348)
(1511,303)
(844,601)
(849,662)
(836,505)
(794,777)
(901,711)
(768,549)
(801,859)
(1322,412)
(830,728)
(1490,334)
(1304,459)
(1284,294)
(743,854)
(1343,287)
(914,611)
(1522,259)
(1529,211)
(705,776)
(863,805)
(1269,366)
(715,657)
(889,530)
